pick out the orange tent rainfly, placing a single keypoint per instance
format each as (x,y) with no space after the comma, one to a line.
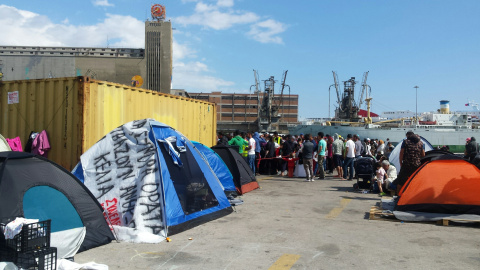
(448,186)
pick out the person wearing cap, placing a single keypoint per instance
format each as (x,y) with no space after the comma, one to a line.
(380,149)
(471,149)
(411,153)
(368,147)
(259,141)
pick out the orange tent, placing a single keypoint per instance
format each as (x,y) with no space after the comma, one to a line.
(442,186)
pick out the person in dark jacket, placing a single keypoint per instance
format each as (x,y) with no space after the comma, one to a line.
(410,157)
(287,152)
(258,147)
(307,153)
(471,149)
(270,156)
(222,139)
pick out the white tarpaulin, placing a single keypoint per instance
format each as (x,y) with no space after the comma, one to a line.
(121,171)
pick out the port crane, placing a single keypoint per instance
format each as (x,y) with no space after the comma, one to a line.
(268,108)
(348,109)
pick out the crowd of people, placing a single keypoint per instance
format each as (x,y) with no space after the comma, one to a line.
(325,154)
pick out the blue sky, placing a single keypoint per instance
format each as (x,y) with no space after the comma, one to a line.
(217,44)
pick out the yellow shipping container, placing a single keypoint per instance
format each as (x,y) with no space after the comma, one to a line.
(77,112)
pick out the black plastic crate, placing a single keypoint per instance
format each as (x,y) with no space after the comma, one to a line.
(40,259)
(7,255)
(32,237)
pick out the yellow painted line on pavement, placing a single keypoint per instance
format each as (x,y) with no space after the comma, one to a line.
(266,178)
(337,210)
(285,262)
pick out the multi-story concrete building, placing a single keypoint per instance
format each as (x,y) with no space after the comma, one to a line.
(153,64)
(240,111)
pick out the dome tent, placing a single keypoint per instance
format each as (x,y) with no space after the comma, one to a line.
(444,187)
(243,176)
(36,188)
(219,167)
(152,181)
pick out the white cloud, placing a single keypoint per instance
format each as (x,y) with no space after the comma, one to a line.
(267,31)
(102,3)
(28,28)
(222,16)
(191,76)
(210,16)
(182,51)
(225,3)
(25,28)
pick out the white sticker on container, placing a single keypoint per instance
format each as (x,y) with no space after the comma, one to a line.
(13,97)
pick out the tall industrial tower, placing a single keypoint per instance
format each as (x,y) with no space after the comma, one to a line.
(158,51)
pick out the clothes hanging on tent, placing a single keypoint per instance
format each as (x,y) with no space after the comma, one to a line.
(15,227)
(15,144)
(41,145)
(31,137)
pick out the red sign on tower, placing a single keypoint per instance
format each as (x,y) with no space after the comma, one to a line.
(158,12)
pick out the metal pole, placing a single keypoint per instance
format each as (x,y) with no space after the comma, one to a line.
(329,100)
(416,105)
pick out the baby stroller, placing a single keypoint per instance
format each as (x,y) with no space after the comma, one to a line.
(365,173)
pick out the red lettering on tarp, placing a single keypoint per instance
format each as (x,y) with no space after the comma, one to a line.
(110,208)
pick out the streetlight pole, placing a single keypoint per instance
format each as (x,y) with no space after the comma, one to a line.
(416,105)
(329,101)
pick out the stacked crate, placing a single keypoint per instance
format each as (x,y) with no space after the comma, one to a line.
(30,249)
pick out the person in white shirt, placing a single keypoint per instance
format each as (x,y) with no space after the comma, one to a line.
(349,158)
(391,174)
(251,152)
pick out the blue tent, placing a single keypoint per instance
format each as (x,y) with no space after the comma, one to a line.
(151,180)
(219,167)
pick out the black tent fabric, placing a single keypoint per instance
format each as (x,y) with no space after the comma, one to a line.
(243,177)
(440,155)
(24,173)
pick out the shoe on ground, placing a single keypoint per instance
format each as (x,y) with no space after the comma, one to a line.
(307,180)
(321,178)
(312,180)
(382,194)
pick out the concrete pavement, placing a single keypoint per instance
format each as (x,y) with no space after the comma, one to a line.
(292,224)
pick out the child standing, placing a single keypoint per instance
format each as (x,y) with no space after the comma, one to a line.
(380,177)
